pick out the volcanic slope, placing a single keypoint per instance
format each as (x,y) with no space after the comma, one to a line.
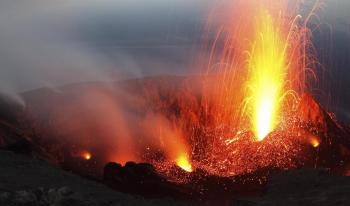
(28,181)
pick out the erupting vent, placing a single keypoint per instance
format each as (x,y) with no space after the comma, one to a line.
(247,112)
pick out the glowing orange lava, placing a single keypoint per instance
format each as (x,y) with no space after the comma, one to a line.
(256,66)
(315,142)
(86,155)
(183,162)
(260,59)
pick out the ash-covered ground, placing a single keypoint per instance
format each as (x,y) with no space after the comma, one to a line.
(302,187)
(28,181)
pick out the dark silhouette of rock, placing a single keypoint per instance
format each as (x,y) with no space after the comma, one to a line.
(302,187)
(22,146)
(43,197)
(201,186)
(138,179)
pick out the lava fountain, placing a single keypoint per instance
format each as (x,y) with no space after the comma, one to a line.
(260,55)
(265,59)
(260,60)
(267,64)
(269,61)
(277,63)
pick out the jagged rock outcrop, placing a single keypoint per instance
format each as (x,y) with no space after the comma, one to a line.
(334,138)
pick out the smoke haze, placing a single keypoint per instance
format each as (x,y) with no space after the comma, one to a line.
(53,43)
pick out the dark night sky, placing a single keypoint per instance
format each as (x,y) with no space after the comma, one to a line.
(50,43)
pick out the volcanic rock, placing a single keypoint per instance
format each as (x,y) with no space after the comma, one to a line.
(302,187)
(22,146)
(142,179)
(334,138)
(200,186)
(43,197)
(311,112)
(138,179)
(33,181)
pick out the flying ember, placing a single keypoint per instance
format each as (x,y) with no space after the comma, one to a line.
(234,119)
(257,70)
